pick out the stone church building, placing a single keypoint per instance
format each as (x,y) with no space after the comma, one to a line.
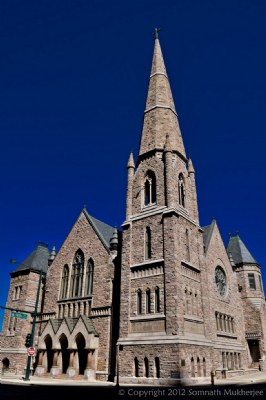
(164,299)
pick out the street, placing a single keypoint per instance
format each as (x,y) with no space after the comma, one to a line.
(56,392)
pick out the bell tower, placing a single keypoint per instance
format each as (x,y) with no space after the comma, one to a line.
(161,234)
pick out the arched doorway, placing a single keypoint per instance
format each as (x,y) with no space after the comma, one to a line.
(81,353)
(49,352)
(5,364)
(64,352)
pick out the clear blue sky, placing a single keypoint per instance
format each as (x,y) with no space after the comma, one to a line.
(73,83)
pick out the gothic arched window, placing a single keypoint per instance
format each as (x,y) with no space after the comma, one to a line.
(157,300)
(150,188)
(187,246)
(192,367)
(89,278)
(148,243)
(136,367)
(157,367)
(77,274)
(139,301)
(146,367)
(181,190)
(148,301)
(64,282)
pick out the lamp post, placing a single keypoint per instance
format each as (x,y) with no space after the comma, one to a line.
(34,314)
(27,374)
(117,365)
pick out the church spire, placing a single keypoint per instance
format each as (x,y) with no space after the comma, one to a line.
(160,116)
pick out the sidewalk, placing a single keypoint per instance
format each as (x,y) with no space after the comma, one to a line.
(34,380)
(18,380)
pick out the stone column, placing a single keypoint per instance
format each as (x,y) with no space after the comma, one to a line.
(89,359)
(40,369)
(55,357)
(55,370)
(89,372)
(71,359)
(71,371)
(40,358)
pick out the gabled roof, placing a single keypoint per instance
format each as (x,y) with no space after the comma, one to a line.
(72,322)
(104,231)
(55,324)
(239,251)
(207,233)
(88,324)
(36,261)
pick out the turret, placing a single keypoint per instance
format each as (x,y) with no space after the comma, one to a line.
(130,178)
(52,256)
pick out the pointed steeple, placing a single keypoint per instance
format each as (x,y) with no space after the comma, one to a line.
(131,163)
(190,167)
(160,116)
(239,252)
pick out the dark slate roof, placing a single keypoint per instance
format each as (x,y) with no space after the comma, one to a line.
(89,325)
(239,251)
(104,231)
(55,324)
(37,260)
(207,233)
(71,323)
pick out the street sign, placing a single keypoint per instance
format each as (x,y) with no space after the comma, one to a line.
(19,315)
(31,351)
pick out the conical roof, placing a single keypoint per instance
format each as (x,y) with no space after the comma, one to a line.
(160,117)
(37,260)
(239,251)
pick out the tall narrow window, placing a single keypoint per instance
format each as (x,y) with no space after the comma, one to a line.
(64,282)
(150,188)
(146,367)
(148,243)
(204,367)
(157,367)
(148,301)
(251,280)
(192,367)
(260,281)
(136,367)
(157,300)
(77,274)
(139,301)
(187,246)
(181,190)
(89,277)
(198,367)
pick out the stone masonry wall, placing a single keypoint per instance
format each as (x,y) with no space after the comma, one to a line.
(82,236)
(14,331)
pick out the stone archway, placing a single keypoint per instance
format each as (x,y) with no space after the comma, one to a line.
(49,353)
(5,365)
(64,352)
(82,354)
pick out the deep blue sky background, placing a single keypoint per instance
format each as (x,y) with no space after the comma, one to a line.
(73,84)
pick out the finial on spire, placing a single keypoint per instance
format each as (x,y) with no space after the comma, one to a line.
(131,163)
(156,33)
